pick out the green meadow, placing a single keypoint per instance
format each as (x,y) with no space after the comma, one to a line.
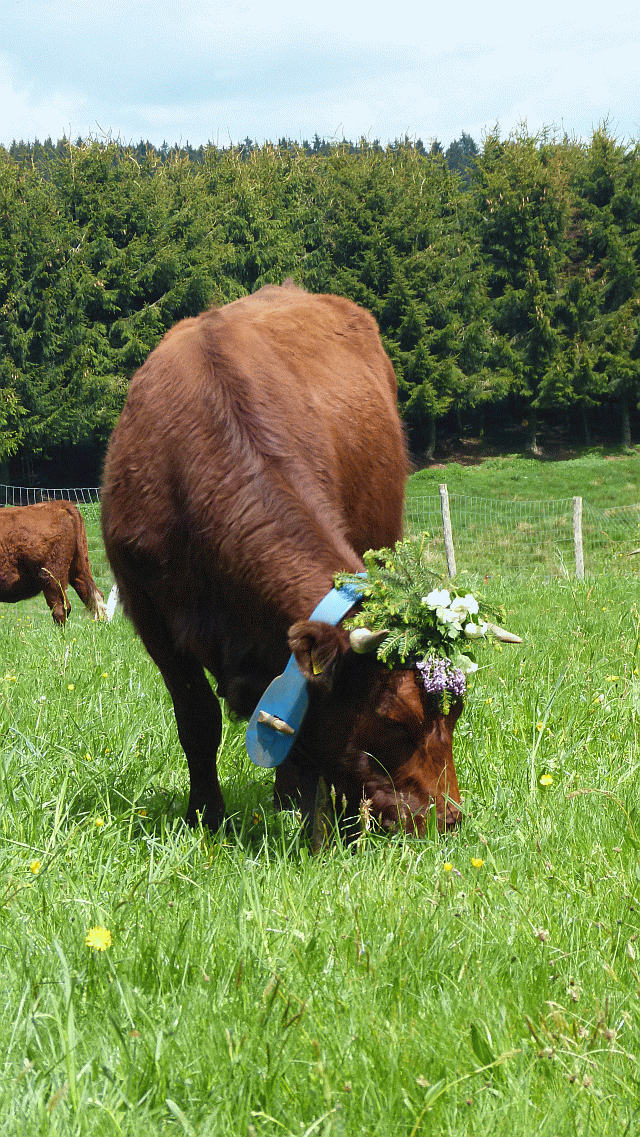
(603,477)
(480,982)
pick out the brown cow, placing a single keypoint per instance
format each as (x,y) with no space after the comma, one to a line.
(43,548)
(259,453)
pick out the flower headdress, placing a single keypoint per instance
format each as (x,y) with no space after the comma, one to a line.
(428,626)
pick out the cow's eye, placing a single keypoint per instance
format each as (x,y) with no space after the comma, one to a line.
(395,726)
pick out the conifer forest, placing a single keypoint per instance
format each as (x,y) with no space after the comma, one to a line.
(505,277)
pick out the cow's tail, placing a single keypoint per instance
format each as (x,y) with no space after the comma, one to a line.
(95,600)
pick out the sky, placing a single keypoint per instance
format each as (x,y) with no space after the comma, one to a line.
(188,71)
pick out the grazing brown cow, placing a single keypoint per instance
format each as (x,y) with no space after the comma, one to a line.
(259,453)
(43,548)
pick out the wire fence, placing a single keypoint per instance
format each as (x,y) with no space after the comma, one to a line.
(23,495)
(490,536)
(526,538)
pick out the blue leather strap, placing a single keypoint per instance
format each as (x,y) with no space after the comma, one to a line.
(287,697)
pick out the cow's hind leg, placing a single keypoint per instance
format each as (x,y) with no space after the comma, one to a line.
(197,711)
(55,597)
(81,580)
(199,722)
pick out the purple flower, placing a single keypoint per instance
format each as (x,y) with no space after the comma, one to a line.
(439,675)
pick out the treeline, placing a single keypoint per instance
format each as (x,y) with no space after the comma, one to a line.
(506,287)
(458,155)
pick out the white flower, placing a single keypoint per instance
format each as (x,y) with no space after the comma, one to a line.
(446,616)
(474,631)
(458,605)
(437,599)
(466,665)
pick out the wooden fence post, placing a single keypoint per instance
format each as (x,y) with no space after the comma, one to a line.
(446,529)
(577,537)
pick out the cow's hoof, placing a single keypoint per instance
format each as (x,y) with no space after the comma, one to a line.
(212,818)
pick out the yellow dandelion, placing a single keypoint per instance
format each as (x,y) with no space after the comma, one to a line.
(546,780)
(98,822)
(105,674)
(477,862)
(447,866)
(98,938)
(612,678)
(35,867)
(256,818)
(107,751)
(88,758)
(142,813)
(71,686)
(538,726)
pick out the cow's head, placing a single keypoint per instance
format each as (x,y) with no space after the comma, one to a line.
(374,734)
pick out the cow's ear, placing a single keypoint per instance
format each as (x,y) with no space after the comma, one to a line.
(317,648)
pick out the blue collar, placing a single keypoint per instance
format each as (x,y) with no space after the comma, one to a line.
(287,697)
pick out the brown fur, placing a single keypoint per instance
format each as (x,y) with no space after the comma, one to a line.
(259,453)
(43,548)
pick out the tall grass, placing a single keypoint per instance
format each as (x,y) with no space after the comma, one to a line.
(485,981)
(251,987)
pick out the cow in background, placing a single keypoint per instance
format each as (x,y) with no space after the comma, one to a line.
(259,453)
(43,548)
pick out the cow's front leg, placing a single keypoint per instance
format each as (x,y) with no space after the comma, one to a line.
(296,787)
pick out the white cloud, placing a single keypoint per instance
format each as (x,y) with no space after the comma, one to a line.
(29,112)
(196,70)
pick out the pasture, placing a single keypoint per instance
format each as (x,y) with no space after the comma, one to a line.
(485,981)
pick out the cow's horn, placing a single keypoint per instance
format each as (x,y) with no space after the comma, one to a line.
(500,634)
(273,721)
(364,641)
(634,552)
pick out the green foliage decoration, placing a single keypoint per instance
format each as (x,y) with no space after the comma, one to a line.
(425,621)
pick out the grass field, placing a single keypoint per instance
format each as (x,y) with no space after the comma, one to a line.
(604,478)
(481,982)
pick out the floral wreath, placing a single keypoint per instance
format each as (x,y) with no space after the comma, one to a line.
(431,628)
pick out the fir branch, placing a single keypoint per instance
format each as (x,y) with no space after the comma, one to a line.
(398,594)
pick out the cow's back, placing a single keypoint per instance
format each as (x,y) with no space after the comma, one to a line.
(257,439)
